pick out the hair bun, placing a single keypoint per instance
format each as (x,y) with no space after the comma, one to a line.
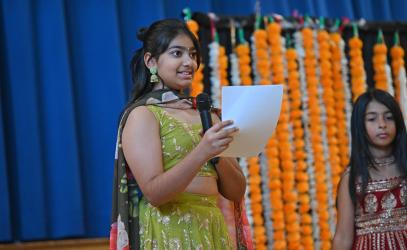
(141,34)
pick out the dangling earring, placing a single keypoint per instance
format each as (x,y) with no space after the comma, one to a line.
(154,77)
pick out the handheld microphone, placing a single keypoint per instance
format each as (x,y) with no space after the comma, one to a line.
(203,104)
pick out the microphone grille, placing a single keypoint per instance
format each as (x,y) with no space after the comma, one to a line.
(203,102)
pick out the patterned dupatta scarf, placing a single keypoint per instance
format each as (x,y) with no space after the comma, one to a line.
(124,232)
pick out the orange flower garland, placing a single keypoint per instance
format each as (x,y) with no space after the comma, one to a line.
(262,76)
(316,139)
(276,198)
(288,181)
(223,66)
(331,121)
(262,56)
(243,55)
(197,82)
(259,232)
(379,65)
(260,239)
(302,177)
(397,63)
(357,71)
(340,107)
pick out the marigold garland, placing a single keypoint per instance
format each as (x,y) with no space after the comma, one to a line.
(301,177)
(357,71)
(309,217)
(316,139)
(397,63)
(331,149)
(290,196)
(259,44)
(197,82)
(245,169)
(243,55)
(379,65)
(262,61)
(254,181)
(262,75)
(399,74)
(340,108)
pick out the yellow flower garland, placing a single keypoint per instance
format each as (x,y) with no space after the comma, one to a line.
(316,139)
(302,177)
(282,132)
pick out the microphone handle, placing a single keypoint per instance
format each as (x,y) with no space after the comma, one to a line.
(206,120)
(214,161)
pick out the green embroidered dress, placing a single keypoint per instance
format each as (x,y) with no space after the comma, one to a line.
(190,221)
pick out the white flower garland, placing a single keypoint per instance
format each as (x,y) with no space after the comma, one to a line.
(267,210)
(389,79)
(243,164)
(214,75)
(234,69)
(254,61)
(348,93)
(403,92)
(307,135)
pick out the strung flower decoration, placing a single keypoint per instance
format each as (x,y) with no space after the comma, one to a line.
(259,229)
(259,232)
(397,63)
(317,140)
(284,136)
(399,74)
(382,74)
(245,169)
(214,73)
(243,55)
(341,105)
(357,70)
(261,56)
(309,223)
(223,67)
(328,116)
(301,175)
(197,86)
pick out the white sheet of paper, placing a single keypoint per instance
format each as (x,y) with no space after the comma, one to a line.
(255,111)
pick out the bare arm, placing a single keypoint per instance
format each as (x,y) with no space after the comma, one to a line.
(231,182)
(142,148)
(344,233)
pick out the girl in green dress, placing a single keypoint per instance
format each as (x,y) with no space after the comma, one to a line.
(166,188)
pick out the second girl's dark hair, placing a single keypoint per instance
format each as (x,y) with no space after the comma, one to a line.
(361,157)
(156,40)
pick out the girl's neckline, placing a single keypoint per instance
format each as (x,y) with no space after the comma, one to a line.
(386,179)
(192,125)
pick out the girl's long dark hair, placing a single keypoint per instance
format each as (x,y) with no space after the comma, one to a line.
(156,40)
(361,157)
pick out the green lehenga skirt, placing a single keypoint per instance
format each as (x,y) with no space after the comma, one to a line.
(190,221)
